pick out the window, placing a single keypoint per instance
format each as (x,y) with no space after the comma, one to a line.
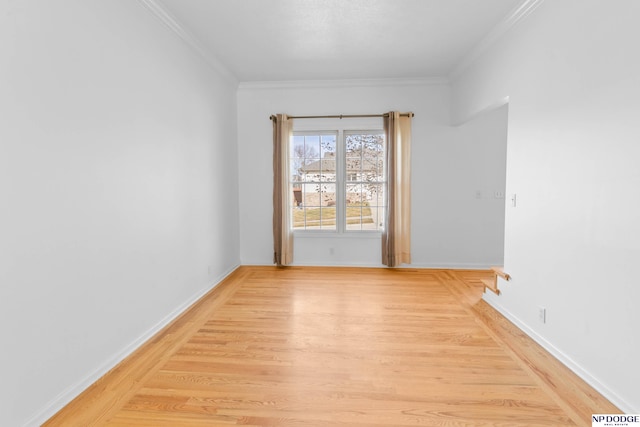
(337,180)
(365,184)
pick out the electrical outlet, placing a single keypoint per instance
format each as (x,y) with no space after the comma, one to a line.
(332,251)
(542,314)
(499,194)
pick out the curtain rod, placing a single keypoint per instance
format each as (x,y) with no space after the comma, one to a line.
(345,116)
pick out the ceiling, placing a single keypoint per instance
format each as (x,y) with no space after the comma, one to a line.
(280,40)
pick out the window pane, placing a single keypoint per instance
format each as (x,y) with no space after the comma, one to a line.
(354,194)
(328,209)
(368,221)
(369,170)
(373,144)
(312,146)
(296,192)
(328,168)
(328,194)
(378,215)
(297,218)
(297,146)
(380,169)
(354,218)
(353,146)
(311,195)
(328,218)
(354,167)
(374,194)
(327,145)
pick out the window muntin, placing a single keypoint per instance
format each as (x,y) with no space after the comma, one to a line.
(337,180)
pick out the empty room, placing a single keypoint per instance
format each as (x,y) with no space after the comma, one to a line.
(319,213)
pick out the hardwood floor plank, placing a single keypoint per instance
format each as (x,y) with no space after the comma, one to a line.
(343,347)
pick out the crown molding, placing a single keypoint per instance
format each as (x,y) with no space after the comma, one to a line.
(160,11)
(311,84)
(510,21)
(493,106)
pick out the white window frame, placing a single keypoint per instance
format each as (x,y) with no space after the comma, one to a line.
(336,183)
(344,181)
(341,128)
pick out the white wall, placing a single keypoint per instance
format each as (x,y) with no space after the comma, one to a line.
(116,206)
(572,75)
(450,228)
(470,173)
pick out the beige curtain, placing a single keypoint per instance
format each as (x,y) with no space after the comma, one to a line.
(282,235)
(396,238)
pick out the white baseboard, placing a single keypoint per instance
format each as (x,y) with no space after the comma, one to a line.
(66,396)
(456,265)
(600,387)
(441,265)
(338,264)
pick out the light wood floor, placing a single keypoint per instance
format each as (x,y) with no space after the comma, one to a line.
(339,347)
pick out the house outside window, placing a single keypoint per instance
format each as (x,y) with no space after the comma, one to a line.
(338,181)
